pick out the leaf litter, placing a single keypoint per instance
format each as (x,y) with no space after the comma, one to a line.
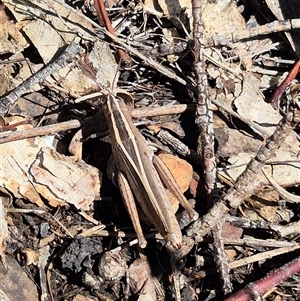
(49,198)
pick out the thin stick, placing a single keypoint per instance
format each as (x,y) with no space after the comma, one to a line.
(262,256)
(257,288)
(41,131)
(280,90)
(63,60)
(257,31)
(102,16)
(247,183)
(73,124)
(221,258)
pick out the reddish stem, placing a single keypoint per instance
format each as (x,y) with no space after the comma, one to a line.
(257,288)
(280,90)
(103,17)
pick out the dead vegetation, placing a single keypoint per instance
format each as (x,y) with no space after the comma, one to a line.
(212,86)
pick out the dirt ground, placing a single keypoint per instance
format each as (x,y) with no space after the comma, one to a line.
(91,91)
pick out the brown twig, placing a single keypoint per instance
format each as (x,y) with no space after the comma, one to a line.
(41,131)
(256,289)
(73,124)
(221,258)
(247,183)
(257,31)
(204,115)
(280,90)
(103,17)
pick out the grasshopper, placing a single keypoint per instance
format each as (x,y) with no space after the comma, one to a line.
(141,175)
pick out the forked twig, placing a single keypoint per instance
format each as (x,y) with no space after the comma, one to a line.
(247,183)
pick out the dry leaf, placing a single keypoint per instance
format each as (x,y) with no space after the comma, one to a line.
(182,173)
(16,157)
(152,7)
(15,283)
(232,142)
(251,105)
(264,206)
(11,40)
(112,266)
(32,168)
(141,281)
(231,232)
(82,298)
(222,18)
(285,171)
(3,233)
(65,25)
(60,28)
(61,179)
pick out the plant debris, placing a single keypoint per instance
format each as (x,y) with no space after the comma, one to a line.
(213,88)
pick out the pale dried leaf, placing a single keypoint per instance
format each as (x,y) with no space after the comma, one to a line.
(48,46)
(232,142)
(251,105)
(145,297)
(285,171)
(222,18)
(264,206)
(65,26)
(58,178)
(289,197)
(3,233)
(101,59)
(61,179)
(82,298)
(112,266)
(7,81)
(152,7)
(15,283)
(16,158)
(141,281)
(11,40)
(32,256)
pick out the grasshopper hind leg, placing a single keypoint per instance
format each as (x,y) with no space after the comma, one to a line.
(129,202)
(169,182)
